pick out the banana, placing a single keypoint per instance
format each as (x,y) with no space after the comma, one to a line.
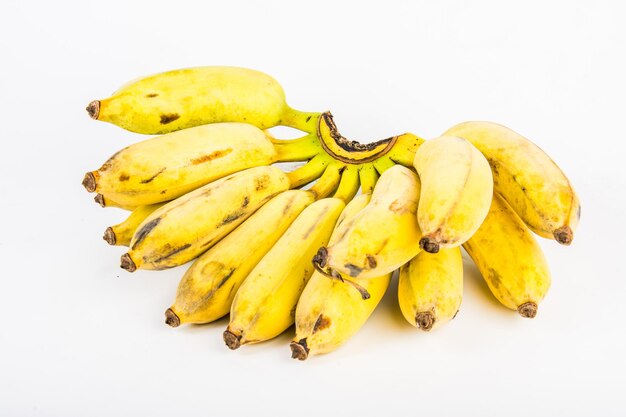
(527,179)
(430,288)
(510,259)
(184,228)
(384,235)
(165,167)
(456,192)
(185,98)
(265,304)
(329,312)
(107,202)
(121,234)
(207,289)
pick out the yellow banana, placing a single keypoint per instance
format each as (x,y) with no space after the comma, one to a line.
(510,259)
(189,97)
(430,288)
(527,178)
(107,202)
(184,228)
(265,303)
(207,289)
(165,167)
(456,192)
(329,311)
(384,235)
(121,234)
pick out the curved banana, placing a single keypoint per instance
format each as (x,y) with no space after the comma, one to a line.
(207,289)
(457,187)
(184,228)
(265,303)
(107,202)
(189,97)
(384,235)
(329,312)
(510,259)
(165,167)
(122,233)
(527,178)
(430,288)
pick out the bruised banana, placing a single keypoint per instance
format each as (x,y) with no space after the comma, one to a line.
(122,233)
(165,167)
(185,98)
(184,228)
(456,191)
(384,235)
(527,178)
(265,304)
(330,311)
(510,259)
(430,288)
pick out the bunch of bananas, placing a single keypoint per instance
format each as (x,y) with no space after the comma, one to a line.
(271,251)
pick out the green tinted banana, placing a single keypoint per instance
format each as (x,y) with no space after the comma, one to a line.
(527,178)
(265,303)
(165,167)
(122,233)
(184,228)
(330,311)
(456,192)
(189,97)
(384,235)
(430,288)
(510,259)
(207,289)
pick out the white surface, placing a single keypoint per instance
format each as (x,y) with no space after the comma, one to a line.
(82,337)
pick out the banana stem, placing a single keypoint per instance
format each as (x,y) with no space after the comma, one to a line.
(309,172)
(301,149)
(368,177)
(328,182)
(305,121)
(349,184)
(403,151)
(383,164)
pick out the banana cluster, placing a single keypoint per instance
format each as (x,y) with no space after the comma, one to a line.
(318,246)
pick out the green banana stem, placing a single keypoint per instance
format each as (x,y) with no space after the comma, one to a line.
(301,149)
(328,181)
(383,164)
(349,184)
(368,176)
(311,171)
(305,121)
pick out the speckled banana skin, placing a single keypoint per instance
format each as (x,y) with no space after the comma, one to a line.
(185,98)
(527,178)
(430,288)
(510,259)
(456,190)
(188,226)
(165,167)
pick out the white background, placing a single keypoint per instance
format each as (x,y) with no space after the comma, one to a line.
(81,337)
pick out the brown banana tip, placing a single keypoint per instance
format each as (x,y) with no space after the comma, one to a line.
(93,109)
(564,235)
(232,341)
(429,245)
(528,310)
(89,182)
(171,319)
(425,320)
(127,263)
(299,350)
(321,257)
(109,236)
(99,198)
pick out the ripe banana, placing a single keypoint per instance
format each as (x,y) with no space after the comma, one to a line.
(510,259)
(384,235)
(527,178)
(265,303)
(329,312)
(184,228)
(456,191)
(185,98)
(430,288)
(165,167)
(207,289)
(121,234)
